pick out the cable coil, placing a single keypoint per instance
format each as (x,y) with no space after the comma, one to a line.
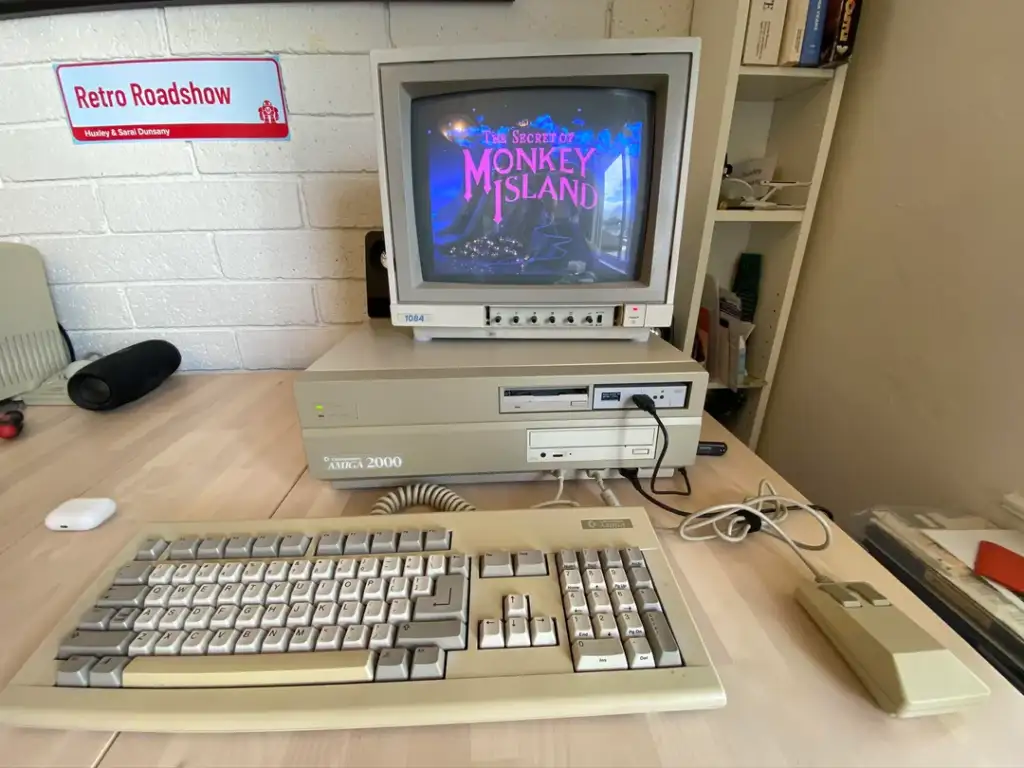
(436,497)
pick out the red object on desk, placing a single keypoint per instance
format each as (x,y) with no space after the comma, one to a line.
(1002,565)
(11,423)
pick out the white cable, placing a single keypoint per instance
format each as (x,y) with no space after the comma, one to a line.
(558,501)
(430,495)
(607,495)
(725,522)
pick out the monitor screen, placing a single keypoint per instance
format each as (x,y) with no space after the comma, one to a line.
(532,185)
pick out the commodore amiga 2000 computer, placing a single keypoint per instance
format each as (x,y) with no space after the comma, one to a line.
(532,213)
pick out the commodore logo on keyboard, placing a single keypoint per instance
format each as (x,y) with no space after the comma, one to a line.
(595,525)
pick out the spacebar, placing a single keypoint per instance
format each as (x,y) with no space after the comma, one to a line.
(321,667)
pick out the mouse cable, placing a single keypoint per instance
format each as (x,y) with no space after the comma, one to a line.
(646,404)
(764,512)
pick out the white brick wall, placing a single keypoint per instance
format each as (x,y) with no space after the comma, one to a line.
(243,254)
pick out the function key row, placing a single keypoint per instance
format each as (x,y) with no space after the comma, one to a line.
(294,545)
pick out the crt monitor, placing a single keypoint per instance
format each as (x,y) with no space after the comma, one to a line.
(534,193)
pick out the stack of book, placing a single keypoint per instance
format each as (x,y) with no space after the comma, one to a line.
(801,33)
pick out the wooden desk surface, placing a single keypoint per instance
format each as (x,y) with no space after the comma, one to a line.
(227,447)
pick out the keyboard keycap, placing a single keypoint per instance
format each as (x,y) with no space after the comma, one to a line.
(144,643)
(567,560)
(450,600)
(391,567)
(294,545)
(382,636)
(638,653)
(598,655)
(646,600)
(224,617)
(530,562)
(230,573)
(400,611)
(249,617)
(303,640)
(629,625)
(274,616)
(277,572)
(329,639)
(197,642)
(491,634)
(610,558)
(639,577)
(326,614)
(276,640)
(598,602)
(580,627)
(97,619)
(162,574)
(174,618)
(662,641)
(460,564)
(542,631)
(633,557)
(616,578)
(356,636)
(449,635)
(357,544)
(223,642)
(212,548)
(589,558)
(303,592)
(284,669)
(575,604)
(622,601)
(437,540)
(124,597)
(74,672)
(156,597)
(330,543)
(182,596)
(185,548)
(570,579)
(207,574)
(170,643)
(375,612)
(516,607)
(495,565)
(384,542)
(149,619)
(410,541)
(346,568)
(369,568)
(133,573)
(151,548)
(124,618)
(92,643)
(604,625)
(239,546)
(266,545)
(300,570)
(427,664)
(351,612)
(392,665)
(374,589)
(517,633)
(322,569)
(301,615)
(199,618)
(107,673)
(254,572)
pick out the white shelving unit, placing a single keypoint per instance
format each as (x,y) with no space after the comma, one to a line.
(748,112)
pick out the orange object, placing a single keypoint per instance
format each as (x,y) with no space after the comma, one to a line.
(1002,565)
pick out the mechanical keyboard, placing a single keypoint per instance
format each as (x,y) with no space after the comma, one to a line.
(361,622)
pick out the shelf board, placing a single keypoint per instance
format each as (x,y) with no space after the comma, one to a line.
(771,83)
(769,215)
(750,383)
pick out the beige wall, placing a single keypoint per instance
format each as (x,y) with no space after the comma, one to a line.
(900,380)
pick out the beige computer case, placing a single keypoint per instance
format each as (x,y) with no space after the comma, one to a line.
(31,347)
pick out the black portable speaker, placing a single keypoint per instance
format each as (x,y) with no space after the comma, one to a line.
(124,376)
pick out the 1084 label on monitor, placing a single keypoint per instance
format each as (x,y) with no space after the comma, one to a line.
(347,463)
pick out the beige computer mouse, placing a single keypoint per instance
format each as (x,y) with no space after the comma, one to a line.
(908,672)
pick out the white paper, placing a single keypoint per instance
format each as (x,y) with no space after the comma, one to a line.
(963,545)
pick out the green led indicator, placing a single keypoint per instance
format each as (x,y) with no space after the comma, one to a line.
(319,407)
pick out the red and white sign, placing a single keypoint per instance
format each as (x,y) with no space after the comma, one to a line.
(162,99)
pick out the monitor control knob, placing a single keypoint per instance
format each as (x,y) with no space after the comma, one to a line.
(570,320)
(589,320)
(533,320)
(496,319)
(551,319)
(515,320)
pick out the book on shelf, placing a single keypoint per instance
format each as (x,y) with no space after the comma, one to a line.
(802,33)
(840,32)
(764,32)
